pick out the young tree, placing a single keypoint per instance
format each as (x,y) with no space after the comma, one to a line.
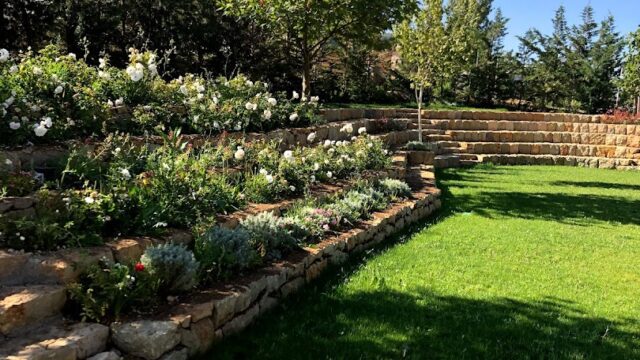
(308,26)
(630,79)
(433,47)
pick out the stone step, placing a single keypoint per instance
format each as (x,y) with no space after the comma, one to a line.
(584,138)
(56,267)
(509,125)
(446,161)
(512,115)
(57,341)
(418,157)
(469,163)
(399,159)
(465,156)
(449,150)
(527,159)
(438,137)
(604,151)
(24,307)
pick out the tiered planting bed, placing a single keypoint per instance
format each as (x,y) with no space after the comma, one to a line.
(38,320)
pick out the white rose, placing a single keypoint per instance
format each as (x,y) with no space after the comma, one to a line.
(58,90)
(72,56)
(13,69)
(272,101)
(119,102)
(37,71)
(4,55)
(40,130)
(89,200)
(269,178)
(46,121)
(239,154)
(311,137)
(288,155)
(104,75)
(296,95)
(293,117)
(184,90)
(9,101)
(125,174)
(264,172)
(102,62)
(316,167)
(250,106)
(329,174)
(267,114)
(200,88)
(153,69)
(8,162)
(362,130)
(315,98)
(292,188)
(14,125)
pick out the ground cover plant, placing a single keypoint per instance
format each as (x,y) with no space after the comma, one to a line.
(109,290)
(125,188)
(522,262)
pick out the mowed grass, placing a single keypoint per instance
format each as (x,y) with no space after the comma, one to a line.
(521,263)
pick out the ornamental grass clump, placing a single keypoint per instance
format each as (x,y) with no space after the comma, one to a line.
(269,235)
(172,267)
(223,251)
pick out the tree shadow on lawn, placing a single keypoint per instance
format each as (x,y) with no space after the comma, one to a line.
(565,208)
(598,184)
(378,322)
(387,324)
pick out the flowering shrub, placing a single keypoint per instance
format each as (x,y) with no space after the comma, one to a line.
(68,219)
(172,267)
(108,289)
(221,251)
(268,235)
(358,204)
(50,96)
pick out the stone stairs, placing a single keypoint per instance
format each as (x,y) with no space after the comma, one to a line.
(469,138)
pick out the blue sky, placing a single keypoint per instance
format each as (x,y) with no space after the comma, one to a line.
(525,14)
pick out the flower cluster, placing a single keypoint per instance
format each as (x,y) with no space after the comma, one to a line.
(50,96)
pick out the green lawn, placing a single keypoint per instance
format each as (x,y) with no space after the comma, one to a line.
(522,262)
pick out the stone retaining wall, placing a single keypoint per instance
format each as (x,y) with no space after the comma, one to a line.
(195,325)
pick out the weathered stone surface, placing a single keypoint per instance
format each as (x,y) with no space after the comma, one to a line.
(292,286)
(85,339)
(147,339)
(199,337)
(180,354)
(26,305)
(240,322)
(107,355)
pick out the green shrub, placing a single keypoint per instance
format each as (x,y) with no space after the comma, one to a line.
(173,267)
(269,235)
(68,219)
(222,251)
(394,188)
(107,290)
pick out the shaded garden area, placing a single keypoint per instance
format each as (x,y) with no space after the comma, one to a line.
(523,262)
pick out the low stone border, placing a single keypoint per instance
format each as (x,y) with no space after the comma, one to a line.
(208,316)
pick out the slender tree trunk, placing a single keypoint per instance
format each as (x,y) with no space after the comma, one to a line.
(419,101)
(306,75)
